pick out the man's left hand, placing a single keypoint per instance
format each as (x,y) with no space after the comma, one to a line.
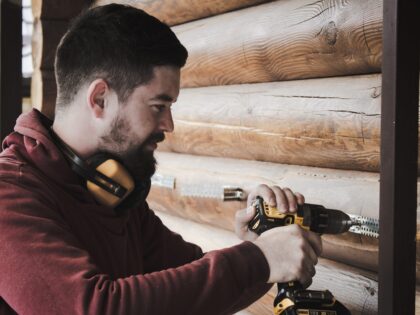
(283,198)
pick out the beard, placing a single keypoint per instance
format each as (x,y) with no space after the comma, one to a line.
(139,161)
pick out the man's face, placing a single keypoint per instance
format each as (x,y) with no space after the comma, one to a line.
(142,120)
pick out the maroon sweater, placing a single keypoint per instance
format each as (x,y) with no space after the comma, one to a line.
(62,253)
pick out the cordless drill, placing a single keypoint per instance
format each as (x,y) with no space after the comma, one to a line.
(291,298)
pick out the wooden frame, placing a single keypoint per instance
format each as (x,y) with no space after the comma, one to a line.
(11,64)
(399,141)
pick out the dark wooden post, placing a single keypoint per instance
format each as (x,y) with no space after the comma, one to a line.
(11,64)
(399,145)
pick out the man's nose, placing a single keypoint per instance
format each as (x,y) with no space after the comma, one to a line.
(167,123)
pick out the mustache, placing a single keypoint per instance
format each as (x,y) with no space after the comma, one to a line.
(157,137)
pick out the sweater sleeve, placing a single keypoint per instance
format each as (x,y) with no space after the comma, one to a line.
(163,248)
(44,270)
(166,249)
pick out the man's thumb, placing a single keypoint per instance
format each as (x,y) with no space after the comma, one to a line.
(245,215)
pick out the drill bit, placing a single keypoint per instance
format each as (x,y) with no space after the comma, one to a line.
(364,225)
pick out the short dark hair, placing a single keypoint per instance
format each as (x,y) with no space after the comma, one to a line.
(118,43)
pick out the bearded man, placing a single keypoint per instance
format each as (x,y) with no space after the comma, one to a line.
(76,239)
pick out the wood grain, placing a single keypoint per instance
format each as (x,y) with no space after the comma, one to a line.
(45,39)
(58,10)
(284,40)
(44,91)
(199,181)
(356,288)
(330,122)
(177,12)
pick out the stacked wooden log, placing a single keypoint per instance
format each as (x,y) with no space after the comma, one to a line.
(278,92)
(283,40)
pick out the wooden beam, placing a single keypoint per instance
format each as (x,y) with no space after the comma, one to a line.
(330,122)
(198,182)
(177,12)
(284,40)
(399,149)
(10,64)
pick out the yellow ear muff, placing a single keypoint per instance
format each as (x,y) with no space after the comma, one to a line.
(114,170)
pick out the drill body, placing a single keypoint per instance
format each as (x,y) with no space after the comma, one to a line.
(291,298)
(311,217)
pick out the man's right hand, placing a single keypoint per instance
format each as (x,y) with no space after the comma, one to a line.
(291,253)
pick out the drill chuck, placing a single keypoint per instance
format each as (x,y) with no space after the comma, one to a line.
(325,221)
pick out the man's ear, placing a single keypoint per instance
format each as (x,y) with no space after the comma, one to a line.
(96,96)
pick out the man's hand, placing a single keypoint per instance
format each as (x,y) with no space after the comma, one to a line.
(291,252)
(284,199)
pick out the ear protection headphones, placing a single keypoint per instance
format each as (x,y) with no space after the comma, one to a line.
(107,179)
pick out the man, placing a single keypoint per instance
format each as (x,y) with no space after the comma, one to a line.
(62,250)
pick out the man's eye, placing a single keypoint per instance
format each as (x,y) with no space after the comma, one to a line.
(159,108)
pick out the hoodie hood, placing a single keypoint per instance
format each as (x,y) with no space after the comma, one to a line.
(33,142)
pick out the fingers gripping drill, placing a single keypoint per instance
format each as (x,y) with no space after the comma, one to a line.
(291,298)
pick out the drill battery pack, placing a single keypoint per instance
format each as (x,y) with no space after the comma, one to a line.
(306,302)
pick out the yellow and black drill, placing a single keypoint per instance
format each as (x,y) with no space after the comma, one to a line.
(291,298)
